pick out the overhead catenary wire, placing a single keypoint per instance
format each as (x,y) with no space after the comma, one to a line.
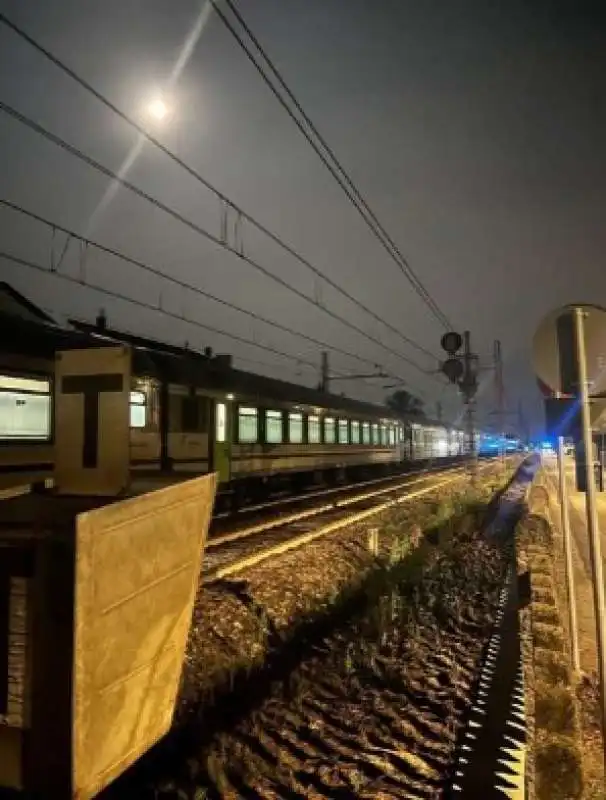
(32,125)
(300,360)
(220,195)
(149,306)
(352,193)
(184,284)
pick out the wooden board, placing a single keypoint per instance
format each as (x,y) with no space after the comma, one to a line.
(137,569)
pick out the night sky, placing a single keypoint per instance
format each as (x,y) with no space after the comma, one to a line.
(476,130)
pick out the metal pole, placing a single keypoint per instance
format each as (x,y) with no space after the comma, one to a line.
(595,546)
(498,363)
(325,376)
(572,608)
(468,396)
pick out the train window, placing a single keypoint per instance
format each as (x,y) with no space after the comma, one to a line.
(25,408)
(138,410)
(392,435)
(295,428)
(313,430)
(366,432)
(384,440)
(273,427)
(221,423)
(355,432)
(375,433)
(343,431)
(329,430)
(248,428)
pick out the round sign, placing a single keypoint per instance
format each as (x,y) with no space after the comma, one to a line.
(453,369)
(451,342)
(554,351)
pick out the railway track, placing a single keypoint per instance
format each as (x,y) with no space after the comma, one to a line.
(275,512)
(419,696)
(241,548)
(291,501)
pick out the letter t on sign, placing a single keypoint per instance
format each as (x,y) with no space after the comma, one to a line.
(91,386)
(92,421)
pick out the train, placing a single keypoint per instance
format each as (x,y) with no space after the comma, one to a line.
(192,412)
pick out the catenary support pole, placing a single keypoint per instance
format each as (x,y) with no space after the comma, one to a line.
(565,519)
(595,547)
(469,387)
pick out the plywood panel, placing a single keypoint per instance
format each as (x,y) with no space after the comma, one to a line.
(137,570)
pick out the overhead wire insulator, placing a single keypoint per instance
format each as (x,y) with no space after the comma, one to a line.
(52,249)
(224,216)
(82,255)
(63,252)
(238,234)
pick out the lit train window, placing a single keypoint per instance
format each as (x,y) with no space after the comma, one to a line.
(375,433)
(248,427)
(313,430)
(221,423)
(138,415)
(273,427)
(34,385)
(355,432)
(25,408)
(366,432)
(392,435)
(295,428)
(343,431)
(329,430)
(384,440)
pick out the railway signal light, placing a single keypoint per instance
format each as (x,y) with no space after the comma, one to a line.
(453,369)
(451,342)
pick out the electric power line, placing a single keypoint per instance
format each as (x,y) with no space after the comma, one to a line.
(141,304)
(39,129)
(180,283)
(222,197)
(303,362)
(353,194)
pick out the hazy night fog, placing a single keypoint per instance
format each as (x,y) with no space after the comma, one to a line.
(475,130)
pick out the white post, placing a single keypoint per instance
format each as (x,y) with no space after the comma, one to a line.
(595,548)
(572,608)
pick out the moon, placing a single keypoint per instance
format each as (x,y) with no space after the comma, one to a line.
(158,109)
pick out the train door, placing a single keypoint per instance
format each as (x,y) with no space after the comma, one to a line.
(221,426)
